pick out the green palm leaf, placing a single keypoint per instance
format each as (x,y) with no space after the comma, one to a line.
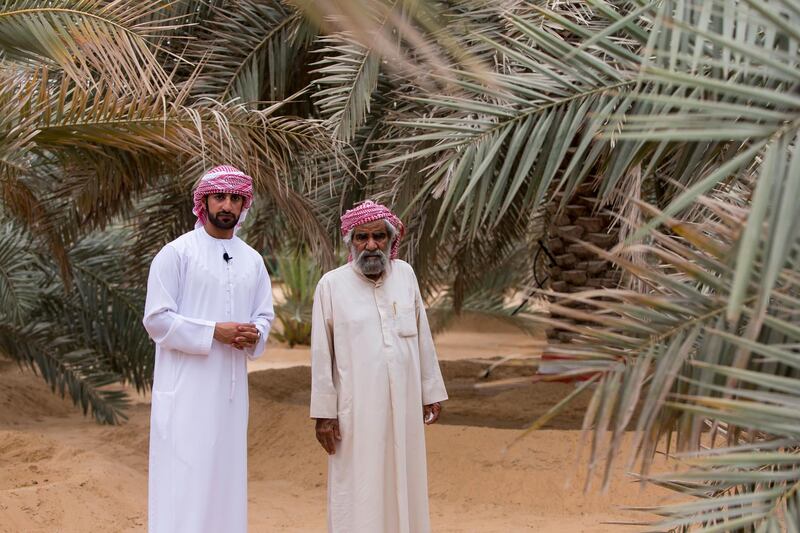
(258,60)
(685,365)
(348,75)
(21,274)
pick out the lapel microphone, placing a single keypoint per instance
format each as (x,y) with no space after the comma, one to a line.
(226,257)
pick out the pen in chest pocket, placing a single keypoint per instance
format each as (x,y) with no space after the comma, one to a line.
(394,309)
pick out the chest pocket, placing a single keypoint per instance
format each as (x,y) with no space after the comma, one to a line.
(406,321)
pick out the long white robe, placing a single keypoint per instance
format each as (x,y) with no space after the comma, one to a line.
(374,366)
(198,424)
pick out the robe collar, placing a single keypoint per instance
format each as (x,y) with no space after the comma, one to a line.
(204,234)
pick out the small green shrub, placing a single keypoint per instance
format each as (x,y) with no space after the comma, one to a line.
(298,274)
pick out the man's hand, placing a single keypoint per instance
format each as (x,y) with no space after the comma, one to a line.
(430,413)
(328,433)
(236,334)
(247,335)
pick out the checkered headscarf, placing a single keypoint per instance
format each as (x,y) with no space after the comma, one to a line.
(222,179)
(367,212)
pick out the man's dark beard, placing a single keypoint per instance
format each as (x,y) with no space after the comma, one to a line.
(220,224)
(371,267)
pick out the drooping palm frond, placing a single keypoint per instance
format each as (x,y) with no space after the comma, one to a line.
(79,339)
(261,141)
(258,55)
(677,369)
(731,83)
(767,470)
(348,76)
(411,36)
(104,304)
(88,40)
(489,148)
(111,149)
(67,367)
(21,274)
(30,198)
(569,77)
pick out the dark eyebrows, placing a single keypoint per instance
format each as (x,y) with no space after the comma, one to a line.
(235,197)
(363,235)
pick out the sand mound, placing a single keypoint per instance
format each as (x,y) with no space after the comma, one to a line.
(25,399)
(502,407)
(62,472)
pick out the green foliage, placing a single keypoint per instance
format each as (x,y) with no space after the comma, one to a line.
(679,371)
(108,112)
(79,338)
(298,274)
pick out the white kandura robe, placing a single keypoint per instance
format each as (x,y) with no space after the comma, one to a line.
(373,367)
(198,425)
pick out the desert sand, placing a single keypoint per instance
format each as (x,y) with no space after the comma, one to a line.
(60,471)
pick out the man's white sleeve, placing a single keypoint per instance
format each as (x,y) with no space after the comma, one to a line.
(263,313)
(324,399)
(161,319)
(433,389)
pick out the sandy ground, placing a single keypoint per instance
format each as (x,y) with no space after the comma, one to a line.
(62,472)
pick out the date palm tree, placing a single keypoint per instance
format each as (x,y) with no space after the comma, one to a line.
(676,121)
(108,113)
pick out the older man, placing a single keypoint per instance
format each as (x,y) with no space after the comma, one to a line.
(375,380)
(209,307)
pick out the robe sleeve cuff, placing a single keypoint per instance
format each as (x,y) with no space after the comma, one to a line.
(257,350)
(190,335)
(433,391)
(207,339)
(324,405)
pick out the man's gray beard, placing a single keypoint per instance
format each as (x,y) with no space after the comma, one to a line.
(371,267)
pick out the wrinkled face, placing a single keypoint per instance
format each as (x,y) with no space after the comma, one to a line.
(370,247)
(224,209)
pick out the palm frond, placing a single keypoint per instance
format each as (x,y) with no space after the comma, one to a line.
(414,37)
(489,146)
(78,339)
(103,304)
(67,368)
(88,40)
(348,75)
(259,58)
(672,362)
(21,274)
(114,148)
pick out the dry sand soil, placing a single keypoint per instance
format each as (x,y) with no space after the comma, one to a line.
(59,471)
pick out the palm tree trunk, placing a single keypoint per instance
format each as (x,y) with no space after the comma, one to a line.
(578,268)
